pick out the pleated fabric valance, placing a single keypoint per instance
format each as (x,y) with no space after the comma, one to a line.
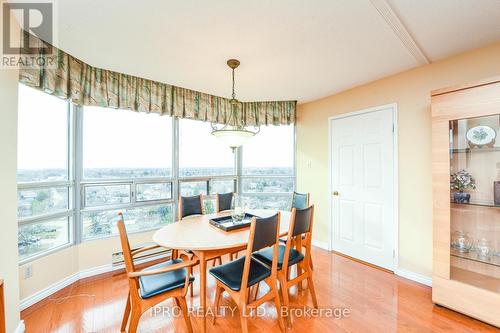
(83,84)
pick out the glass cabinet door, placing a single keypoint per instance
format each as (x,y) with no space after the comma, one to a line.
(475,201)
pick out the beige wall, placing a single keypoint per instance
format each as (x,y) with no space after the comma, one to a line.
(410,90)
(8,194)
(60,265)
(8,189)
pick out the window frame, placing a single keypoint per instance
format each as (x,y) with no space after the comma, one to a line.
(83,183)
(76,184)
(69,183)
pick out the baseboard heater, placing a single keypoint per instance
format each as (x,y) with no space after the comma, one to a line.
(159,252)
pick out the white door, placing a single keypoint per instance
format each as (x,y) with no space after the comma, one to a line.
(362,174)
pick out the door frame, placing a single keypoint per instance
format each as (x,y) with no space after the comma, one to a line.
(395,156)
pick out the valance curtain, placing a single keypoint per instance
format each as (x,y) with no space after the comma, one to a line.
(83,84)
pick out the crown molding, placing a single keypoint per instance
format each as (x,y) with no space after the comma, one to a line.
(401,32)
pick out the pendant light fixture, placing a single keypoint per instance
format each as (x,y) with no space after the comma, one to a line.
(234,133)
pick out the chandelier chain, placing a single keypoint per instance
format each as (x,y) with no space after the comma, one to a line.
(234,94)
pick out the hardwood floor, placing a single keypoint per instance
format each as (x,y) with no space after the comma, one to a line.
(378,302)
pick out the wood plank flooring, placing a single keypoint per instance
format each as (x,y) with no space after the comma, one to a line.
(378,302)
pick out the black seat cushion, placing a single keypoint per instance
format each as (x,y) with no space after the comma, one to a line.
(152,285)
(266,256)
(231,273)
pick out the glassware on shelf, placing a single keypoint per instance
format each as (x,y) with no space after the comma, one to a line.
(461,241)
(483,249)
(238,212)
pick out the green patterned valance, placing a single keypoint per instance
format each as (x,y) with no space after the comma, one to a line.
(84,84)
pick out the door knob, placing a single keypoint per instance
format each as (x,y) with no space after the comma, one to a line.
(336,193)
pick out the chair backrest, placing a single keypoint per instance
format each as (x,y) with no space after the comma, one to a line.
(191,206)
(264,232)
(224,201)
(300,200)
(127,252)
(301,222)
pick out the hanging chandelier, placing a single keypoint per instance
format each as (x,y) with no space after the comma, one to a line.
(234,133)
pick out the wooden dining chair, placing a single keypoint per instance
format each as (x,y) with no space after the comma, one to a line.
(224,202)
(191,206)
(301,223)
(299,201)
(154,284)
(236,277)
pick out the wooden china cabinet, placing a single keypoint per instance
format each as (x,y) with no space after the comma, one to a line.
(466,193)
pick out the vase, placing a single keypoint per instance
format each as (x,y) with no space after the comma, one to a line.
(238,209)
(461,197)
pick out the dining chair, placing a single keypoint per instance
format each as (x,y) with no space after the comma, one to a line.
(224,202)
(190,206)
(299,201)
(236,277)
(153,284)
(301,223)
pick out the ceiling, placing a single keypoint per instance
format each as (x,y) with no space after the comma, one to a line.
(289,49)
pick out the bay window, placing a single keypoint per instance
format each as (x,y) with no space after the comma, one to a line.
(79,166)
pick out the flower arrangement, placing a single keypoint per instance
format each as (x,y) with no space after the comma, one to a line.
(462,181)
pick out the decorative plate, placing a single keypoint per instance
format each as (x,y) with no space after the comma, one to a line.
(481,135)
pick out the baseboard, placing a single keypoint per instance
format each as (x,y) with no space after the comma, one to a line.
(321,244)
(422,279)
(20,327)
(46,292)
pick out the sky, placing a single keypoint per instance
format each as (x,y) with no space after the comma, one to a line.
(120,138)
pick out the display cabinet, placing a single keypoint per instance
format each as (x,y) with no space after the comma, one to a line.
(466,193)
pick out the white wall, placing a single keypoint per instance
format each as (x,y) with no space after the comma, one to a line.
(8,194)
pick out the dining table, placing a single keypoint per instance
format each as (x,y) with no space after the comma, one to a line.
(207,242)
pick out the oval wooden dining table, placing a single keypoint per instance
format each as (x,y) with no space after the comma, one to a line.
(208,242)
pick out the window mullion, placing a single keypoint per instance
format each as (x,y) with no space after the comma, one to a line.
(78,171)
(175,166)
(239,169)
(294,157)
